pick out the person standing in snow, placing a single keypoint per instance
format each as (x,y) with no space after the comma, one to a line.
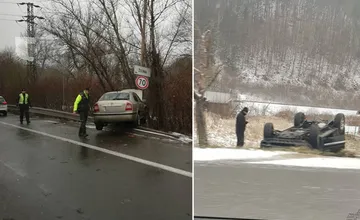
(240,126)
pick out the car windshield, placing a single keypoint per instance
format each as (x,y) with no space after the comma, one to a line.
(2,99)
(115,96)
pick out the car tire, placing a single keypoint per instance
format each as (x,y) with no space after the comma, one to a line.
(145,116)
(99,126)
(137,121)
(299,118)
(339,122)
(314,136)
(143,120)
(5,114)
(268,130)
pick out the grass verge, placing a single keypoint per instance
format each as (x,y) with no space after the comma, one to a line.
(221,133)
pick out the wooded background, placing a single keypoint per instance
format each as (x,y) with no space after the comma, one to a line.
(96,43)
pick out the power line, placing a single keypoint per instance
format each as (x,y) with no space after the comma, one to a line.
(4,19)
(11,20)
(11,15)
(30,20)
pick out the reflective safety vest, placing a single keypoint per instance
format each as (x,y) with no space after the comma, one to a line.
(82,102)
(23,99)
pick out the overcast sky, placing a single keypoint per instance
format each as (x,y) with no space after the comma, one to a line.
(9,12)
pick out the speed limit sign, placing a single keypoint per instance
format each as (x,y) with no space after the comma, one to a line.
(142,82)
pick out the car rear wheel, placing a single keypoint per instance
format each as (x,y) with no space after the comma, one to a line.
(144,120)
(5,114)
(299,119)
(268,130)
(137,121)
(314,136)
(145,116)
(339,122)
(99,126)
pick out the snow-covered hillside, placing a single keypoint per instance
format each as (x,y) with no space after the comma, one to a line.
(303,52)
(331,77)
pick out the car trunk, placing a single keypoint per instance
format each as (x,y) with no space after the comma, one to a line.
(112,106)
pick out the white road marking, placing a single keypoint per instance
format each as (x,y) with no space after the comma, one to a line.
(114,153)
(317,162)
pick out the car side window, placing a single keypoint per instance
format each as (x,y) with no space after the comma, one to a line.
(137,99)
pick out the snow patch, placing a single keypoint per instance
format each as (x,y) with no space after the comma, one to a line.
(91,126)
(182,137)
(351,129)
(261,108)
(210,154)
(336,163)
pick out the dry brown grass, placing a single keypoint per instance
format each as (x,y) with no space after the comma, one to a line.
(222,133)
(347,152)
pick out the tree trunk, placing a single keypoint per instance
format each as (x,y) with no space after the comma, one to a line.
(200,122)
(156,87)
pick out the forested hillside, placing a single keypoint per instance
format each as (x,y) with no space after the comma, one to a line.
(283,48)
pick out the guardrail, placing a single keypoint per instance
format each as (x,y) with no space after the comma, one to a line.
(73,117)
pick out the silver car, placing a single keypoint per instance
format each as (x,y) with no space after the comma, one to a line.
(120,106)
(3,106)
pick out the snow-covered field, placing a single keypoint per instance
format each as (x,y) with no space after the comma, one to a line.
(272,158)
(221,132)
(212,154)
(318,162)
(352,130)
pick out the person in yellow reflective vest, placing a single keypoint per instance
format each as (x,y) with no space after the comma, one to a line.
(82,107)
(23,101)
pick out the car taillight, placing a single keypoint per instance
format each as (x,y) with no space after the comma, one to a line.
(4,103)
(128,106)
(96,107)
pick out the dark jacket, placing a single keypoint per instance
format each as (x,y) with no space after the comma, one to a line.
(82,103)
(240,122)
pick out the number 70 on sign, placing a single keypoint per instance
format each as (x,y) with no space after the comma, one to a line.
(142,82)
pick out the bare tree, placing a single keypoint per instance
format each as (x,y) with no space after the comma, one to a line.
(205,75)
(107,37)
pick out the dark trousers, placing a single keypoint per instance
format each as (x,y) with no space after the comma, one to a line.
(24,110)
(240,138)
(83,119)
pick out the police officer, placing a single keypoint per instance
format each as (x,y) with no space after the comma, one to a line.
(23,101)
(240,126)
(82,107)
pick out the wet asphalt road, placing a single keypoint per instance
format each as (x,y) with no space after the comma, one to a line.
(235,189)
(45,178)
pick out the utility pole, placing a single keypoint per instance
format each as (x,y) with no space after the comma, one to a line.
(30,17)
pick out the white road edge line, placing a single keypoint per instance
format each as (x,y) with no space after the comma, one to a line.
(114,153)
